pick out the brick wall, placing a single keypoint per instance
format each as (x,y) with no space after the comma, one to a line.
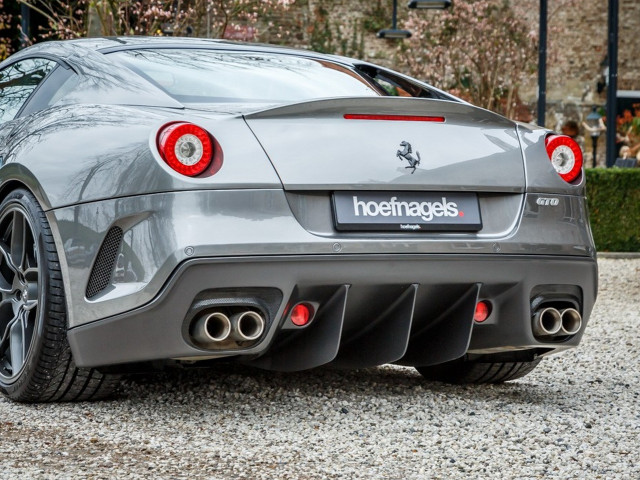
(629,46)
(578,49)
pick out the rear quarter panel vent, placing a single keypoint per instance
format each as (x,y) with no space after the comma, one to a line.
(105,260)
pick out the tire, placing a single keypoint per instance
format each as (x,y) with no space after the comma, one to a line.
(464,371)
(36,364)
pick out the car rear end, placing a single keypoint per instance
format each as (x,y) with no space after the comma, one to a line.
(355,231)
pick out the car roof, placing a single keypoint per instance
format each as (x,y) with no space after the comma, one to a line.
(68,48)
(86,54)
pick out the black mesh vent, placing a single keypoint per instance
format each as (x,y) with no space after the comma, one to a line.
(102,269)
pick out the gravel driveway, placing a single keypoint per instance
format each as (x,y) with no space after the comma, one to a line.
(575,416)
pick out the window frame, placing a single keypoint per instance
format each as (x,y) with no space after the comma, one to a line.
(371,72)
(57,64)
(38,101)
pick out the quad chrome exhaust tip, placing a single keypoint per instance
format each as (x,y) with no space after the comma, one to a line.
(571,321)
(247,326)
(547,322)
(212,328)
(550,322)
(216,329)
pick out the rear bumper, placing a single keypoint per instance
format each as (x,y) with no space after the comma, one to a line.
(162,231)
(373,309)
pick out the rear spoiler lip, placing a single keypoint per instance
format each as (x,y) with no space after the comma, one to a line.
(337,107)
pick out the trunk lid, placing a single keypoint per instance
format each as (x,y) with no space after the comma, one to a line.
(312,146)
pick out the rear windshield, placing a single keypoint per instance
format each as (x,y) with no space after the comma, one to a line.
(206,76)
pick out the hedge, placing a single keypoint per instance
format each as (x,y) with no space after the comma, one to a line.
(613,196)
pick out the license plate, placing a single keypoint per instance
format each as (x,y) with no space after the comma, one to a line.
(406,211)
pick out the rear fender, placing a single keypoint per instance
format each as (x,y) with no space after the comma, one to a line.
(85,153)
(540,174)
(14,175)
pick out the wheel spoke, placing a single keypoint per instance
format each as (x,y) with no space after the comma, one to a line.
(30,305)
(18,240)
(5,251)
(5,335)
(30,256)
(17,346)
(26,334)
(5,288)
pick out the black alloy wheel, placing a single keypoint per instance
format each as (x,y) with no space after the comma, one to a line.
(19,289)
(36,364)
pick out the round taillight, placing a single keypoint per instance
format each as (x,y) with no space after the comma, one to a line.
(187,148)
(301,314)
(483,310)
(565,155)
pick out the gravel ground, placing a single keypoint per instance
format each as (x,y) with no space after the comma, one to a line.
(575,416)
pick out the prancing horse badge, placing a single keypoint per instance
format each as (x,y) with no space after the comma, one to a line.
(405,154)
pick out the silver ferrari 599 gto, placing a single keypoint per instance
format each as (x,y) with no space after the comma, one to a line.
(182,202)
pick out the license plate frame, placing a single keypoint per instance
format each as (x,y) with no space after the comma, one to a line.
(393,211)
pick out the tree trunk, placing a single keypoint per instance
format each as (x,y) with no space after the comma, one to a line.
(94,25)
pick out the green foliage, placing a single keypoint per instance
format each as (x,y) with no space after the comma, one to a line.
(376,18)
(335,39)
(635,124)
(321,38)
(354,47)
(613,196)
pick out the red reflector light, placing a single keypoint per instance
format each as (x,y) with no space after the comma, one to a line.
(565,155)
(397,118)
(483,309)
(186,148)
(301,314)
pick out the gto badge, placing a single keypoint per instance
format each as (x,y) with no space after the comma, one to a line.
(405,154)
(546,202)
